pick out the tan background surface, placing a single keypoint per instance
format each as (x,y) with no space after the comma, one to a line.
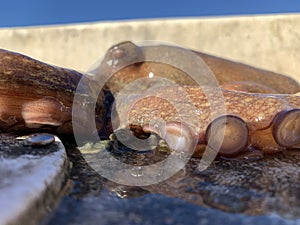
(271,41)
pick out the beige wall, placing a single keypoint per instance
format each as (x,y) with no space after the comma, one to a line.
(271,42)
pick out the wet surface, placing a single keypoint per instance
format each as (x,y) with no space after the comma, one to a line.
(39,140)
(228,192)
(12,146)
(32,179)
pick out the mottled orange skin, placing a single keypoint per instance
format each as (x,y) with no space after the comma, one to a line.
(257,110)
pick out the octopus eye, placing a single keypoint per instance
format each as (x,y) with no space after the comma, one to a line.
(118,53)
(286,128)
(123,54)
(232,131)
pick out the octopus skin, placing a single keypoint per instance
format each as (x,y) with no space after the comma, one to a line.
(36,96)
(265,122)
(260,113)
(262,107)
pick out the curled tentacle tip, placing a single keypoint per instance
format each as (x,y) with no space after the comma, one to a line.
(179,137)
(228,135)
(286,128)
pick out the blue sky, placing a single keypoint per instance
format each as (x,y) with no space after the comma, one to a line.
(34,12)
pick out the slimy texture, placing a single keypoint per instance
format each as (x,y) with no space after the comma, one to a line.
(251,112)
(265,122)
(35,95)
(227,73)
(258,111)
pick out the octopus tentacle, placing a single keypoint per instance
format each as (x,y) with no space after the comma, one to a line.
(37,95)
(250,117)
(177,135)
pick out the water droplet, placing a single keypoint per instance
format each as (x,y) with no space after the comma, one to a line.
(137,171)
(151,75)
(116,55)
(183,155)
(119,192)
(160,172)
(39,140)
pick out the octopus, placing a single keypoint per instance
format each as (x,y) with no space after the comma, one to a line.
(248,113)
